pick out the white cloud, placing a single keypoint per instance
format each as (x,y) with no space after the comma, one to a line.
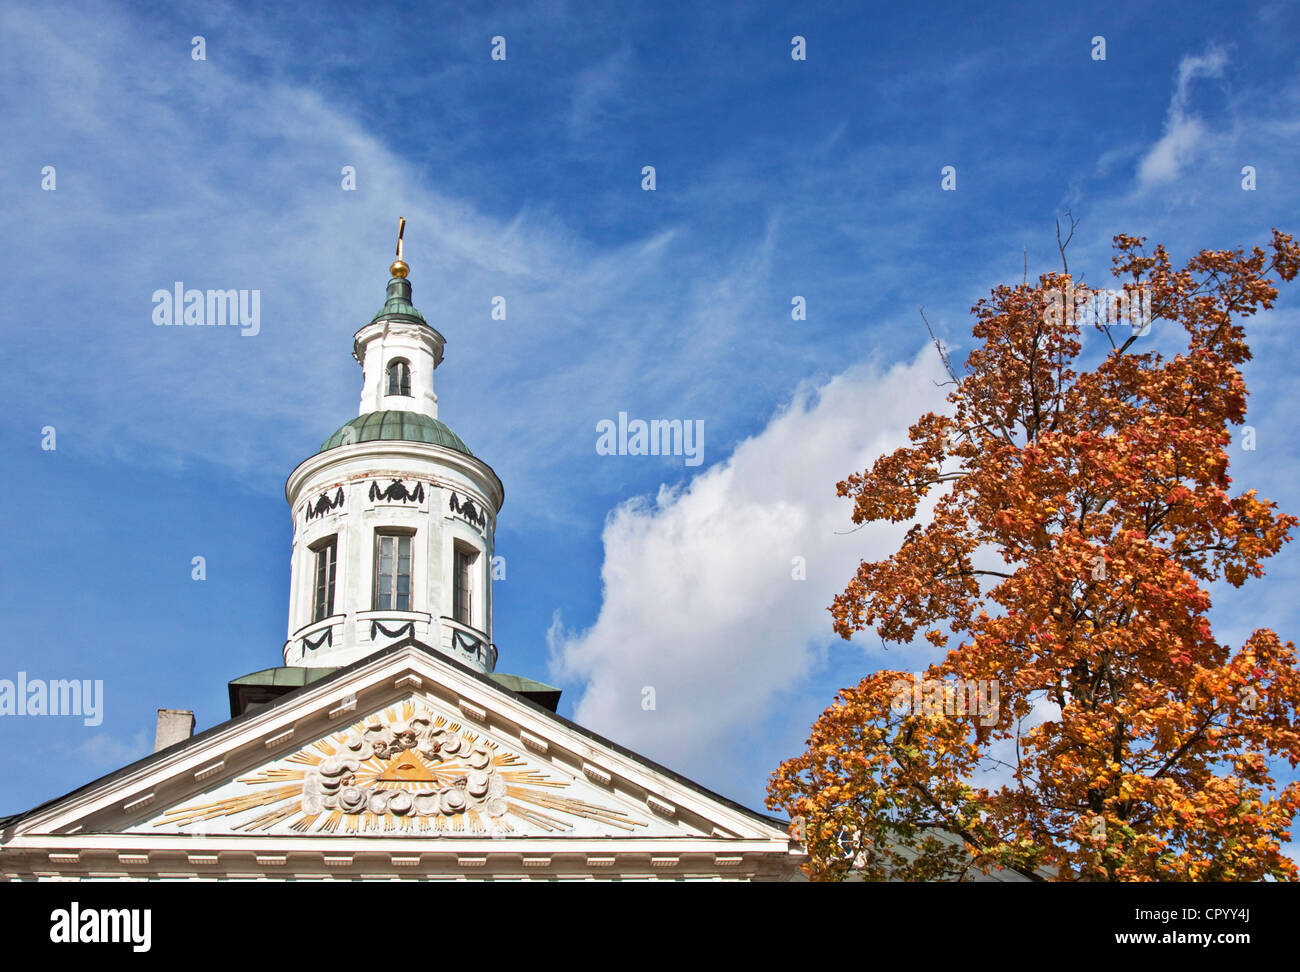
(1183,132)
(699,601)
(248,195)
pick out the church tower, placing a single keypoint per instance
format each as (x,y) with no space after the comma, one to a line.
(386,746)
(393,518)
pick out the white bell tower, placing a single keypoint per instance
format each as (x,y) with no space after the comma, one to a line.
(394,517)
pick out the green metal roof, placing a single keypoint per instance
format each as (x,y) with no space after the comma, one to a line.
(530,688)
(293,677)
(261,688)
(398,303)
(401,425)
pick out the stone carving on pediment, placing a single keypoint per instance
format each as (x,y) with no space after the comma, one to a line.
(405,769)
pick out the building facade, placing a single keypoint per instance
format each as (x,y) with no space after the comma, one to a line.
(386,745)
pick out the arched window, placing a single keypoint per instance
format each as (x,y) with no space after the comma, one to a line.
(399,377)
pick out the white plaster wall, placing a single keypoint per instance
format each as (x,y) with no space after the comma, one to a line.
(380,343)
(353,469)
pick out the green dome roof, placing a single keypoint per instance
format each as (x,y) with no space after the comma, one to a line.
(405,426)
(399,303)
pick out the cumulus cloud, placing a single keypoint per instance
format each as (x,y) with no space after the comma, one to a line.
(1183,131)
(700,601)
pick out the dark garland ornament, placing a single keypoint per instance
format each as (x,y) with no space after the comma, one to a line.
(397,493)
(324,504)
(405,629)
(326,638)
(469,511)
(476,648)
(466,643)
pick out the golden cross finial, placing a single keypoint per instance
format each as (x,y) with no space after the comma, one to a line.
(399,268)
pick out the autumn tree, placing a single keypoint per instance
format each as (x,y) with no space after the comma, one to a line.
(1081,506)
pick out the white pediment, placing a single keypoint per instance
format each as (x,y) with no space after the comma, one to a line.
(410,767)
(406,756)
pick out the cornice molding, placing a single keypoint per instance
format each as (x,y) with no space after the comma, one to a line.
(492,491)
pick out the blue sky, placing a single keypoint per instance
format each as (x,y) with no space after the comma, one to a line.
(522,178)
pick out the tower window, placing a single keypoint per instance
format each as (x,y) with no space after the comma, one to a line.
(462,567)
(399,377)
(393,571)
(326,563)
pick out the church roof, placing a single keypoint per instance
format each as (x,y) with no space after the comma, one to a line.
(259,688)
(394,424)
(343,677)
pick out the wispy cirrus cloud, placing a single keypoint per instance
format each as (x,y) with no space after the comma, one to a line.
(1184,131)
(135,220)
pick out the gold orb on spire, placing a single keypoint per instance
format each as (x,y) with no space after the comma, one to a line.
(398,268)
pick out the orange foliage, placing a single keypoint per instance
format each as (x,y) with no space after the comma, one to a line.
(1081,514)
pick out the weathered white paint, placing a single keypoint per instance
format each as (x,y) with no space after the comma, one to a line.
(437,528)
(377,345)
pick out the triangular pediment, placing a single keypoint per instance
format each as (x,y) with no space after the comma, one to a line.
(407,754)
(409,767)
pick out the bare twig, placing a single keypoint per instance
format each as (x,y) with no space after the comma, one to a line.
(1062,245)
(943,355)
